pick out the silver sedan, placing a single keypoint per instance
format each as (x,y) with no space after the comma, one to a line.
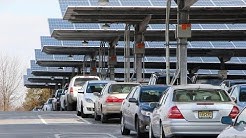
(194,109)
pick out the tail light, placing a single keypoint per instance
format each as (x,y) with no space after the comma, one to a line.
(234,112)
(113,99)
(174,113)
(71,90)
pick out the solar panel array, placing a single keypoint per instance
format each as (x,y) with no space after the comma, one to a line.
(63,24)
(65,3)
(36,67)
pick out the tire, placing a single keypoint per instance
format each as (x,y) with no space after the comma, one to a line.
(104,118)
(78,113)
(151,134)
(123,129)
(82,113)
(139,133)
(70,107)
(96,116)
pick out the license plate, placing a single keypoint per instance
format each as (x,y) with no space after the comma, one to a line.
(205,114)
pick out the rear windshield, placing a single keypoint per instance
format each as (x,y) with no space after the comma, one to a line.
(95,87)
(121,88)
(242,94)
(151,94)
(200,95)
(81,81)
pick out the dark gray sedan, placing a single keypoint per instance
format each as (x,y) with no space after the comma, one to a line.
(136,108)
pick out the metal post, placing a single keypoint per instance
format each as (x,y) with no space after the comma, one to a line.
(93,68)
(112,60)
(138,51)
(127,54)
(183,17)
(167,42)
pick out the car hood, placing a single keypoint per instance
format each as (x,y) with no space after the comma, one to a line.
(90,96)
(146,106)
(233,132)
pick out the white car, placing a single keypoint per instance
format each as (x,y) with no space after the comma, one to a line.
(71,95)
(86,98)
(48,105)
(62,98)
(236,129)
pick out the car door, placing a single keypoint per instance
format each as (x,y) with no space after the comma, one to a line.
(156,117)
(125,109)
(132,107)
(80,96)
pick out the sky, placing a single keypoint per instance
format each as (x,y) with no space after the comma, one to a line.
(22,23)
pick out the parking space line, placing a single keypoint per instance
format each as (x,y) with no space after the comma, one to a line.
(110,135)
(83,119)
(43,121)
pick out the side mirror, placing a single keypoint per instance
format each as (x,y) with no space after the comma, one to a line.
(97,94)
(133,100)
(226,120)
(153,104)
(80,91)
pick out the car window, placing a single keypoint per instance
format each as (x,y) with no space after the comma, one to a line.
(121,88)
(95,87)
(50,101)
(151,94)
(81,81)
(242,94)
(234,92)
(131,93)
(241,117)
(200,95)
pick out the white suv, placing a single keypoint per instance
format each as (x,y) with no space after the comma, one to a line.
(71,95)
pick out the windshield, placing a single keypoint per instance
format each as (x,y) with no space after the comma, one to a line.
(200,95)
(151,94)
(95,87)
(121,88)
(81,81)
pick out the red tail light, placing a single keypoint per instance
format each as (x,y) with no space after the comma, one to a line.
(113,99)
(174,113)
(71,90)
(234,112)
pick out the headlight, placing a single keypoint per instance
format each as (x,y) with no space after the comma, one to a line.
(88,100)
(146,113)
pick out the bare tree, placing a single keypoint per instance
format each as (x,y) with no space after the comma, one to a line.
(11,80)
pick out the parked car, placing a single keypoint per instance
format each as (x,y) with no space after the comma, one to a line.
(213,79)
(48,105)
(108,102)
(227,84)
(62,97)
(238,93)
(56,100)
(71,95)
(136,108)
(236,129)
(194,109)
(86,98)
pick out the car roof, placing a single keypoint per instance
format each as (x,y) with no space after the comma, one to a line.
(190,86)
(149,86)
(100,81)
(123,82)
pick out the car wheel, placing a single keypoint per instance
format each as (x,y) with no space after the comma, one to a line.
(96,116)
(104,118)
(123,129)
(151,135)
(78,113)
(139,133)
(162,134)
(82,112)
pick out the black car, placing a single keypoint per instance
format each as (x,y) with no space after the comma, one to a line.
(137,108)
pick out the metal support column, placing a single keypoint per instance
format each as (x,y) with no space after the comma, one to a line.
(93,67)
(183,18)
(112,60)
(139,50)
(127,54)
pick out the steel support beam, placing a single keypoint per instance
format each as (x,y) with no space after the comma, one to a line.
(112,60)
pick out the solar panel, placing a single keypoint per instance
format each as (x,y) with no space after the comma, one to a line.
(221,44)
(210,59)
(201,44)
(239,44)
(234,60)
